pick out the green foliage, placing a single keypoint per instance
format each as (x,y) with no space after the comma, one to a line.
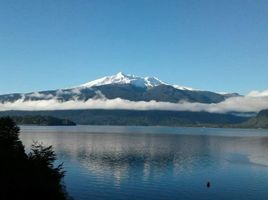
(31,176)
(44,157)
(42,120)
(260,121)
(136,117)
(8,132)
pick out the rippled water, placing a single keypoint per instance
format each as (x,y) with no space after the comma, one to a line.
(158,163)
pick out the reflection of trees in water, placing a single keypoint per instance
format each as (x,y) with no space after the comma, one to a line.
(142,156)
(148,155)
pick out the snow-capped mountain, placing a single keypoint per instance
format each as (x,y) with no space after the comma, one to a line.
(128,87)
(183,87)
(121,78)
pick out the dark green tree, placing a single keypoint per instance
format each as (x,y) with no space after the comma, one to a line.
(31,176)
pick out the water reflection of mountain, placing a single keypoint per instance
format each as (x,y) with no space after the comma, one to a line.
(141,156)
(145,156)
(158,163)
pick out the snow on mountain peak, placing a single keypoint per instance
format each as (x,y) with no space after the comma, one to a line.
(121,78)
(183,87)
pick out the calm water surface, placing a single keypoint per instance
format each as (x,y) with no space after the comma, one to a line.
(158,163)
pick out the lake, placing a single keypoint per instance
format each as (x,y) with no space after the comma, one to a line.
(158,163)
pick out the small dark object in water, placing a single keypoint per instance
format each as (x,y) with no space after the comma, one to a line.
(208,184)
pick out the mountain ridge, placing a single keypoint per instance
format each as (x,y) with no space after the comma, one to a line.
(121,78)
(127,87)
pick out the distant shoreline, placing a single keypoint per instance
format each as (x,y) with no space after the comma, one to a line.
(138,118)
(153,126)
(42,121)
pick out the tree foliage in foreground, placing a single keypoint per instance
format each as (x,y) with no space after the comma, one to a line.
(31,176)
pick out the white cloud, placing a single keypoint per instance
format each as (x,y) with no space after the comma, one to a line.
(256,93)
(253,102)
(40,95)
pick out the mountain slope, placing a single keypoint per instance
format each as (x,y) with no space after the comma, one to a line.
(132,117)
(122,79)
(42,120)
(122,86)
(260,121)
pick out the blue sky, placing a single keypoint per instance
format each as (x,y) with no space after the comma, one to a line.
(208,44)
